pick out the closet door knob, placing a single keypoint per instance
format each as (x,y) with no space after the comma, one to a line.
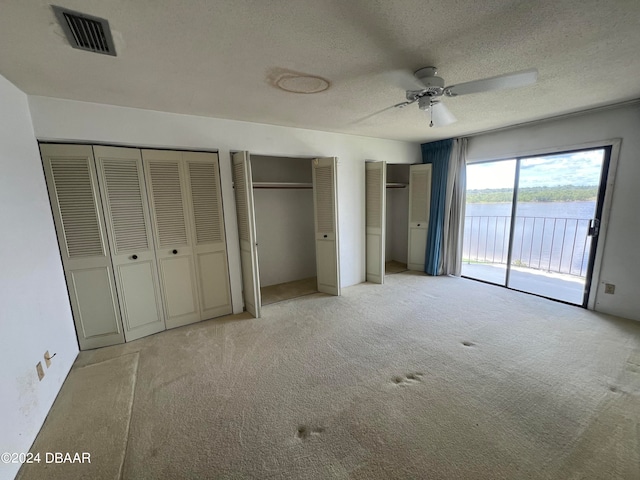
(134,257)
(174,252)
(418,224)
(326,236)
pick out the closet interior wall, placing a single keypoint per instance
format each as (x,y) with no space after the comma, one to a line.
(284,218)
(397,213)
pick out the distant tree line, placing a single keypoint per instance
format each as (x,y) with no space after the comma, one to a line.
(561,193)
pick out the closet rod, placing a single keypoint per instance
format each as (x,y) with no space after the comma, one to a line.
(281,185)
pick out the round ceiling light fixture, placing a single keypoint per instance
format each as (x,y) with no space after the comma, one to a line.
(301,83)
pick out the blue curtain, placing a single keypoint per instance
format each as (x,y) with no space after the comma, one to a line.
(437,154)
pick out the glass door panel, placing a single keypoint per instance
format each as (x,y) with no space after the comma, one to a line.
(556,200)
(487,223)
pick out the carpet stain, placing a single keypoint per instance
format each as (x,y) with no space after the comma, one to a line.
(633,363)
(408,379)
(304,432)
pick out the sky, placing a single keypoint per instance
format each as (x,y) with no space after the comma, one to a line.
(578,168)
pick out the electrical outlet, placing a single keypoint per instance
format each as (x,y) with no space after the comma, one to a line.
(609,288)
(47,358)
(40,371)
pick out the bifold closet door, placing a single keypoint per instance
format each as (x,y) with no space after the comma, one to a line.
(419,205)
(325,203)
(77,213)
(129,230)
(166,186)
(375,206)
(208,233)
(243,187)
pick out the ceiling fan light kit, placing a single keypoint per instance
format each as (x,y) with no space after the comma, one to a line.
(434,86)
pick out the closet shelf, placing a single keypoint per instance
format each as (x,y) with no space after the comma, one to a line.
(281,185)
(308,185)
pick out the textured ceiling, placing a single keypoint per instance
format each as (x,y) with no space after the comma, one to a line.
(217,58)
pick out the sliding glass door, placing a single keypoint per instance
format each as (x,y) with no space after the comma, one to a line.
(487,226)
(531,222)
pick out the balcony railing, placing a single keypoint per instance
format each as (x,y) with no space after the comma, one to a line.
(543,243)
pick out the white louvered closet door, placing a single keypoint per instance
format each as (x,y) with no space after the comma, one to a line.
(165,176)
(132,250)
(375,206)
(207,233)
(325,203)
(243,188)
(77,213)
(419,205)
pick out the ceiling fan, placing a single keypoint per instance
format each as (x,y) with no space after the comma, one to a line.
(427,89)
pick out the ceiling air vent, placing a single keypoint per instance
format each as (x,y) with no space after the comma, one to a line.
(85,31)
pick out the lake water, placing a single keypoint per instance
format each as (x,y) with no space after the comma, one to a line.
(550,236)
(535,209)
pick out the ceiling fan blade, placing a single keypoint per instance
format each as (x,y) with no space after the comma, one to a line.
(362,119)
(405,79)
(441,115)
(397,105)
(501,82)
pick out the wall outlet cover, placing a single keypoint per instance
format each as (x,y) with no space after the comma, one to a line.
(40,371)
(609,288)
(47,358)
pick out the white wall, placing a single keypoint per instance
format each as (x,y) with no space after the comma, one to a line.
(35,315)
(618,250)
(397,224)
(284,220)
(286,235)
(397,214)
(66,120)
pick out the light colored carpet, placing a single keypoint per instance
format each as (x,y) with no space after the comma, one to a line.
(90,416)
(288,290)
(423,377)
(392,267)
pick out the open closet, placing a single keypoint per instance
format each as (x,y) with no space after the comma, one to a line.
(141,235)
(283,200)
(398,198)
(287,224)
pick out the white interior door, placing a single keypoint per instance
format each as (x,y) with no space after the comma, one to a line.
(247,232)
(131,241)
(208,235)
(77,213)
(419,205)
(325,203)
(166,181)
(376,208)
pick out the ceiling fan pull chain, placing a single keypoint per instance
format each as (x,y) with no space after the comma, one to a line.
(431,115)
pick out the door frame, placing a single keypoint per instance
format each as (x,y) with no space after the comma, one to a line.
(598,215)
